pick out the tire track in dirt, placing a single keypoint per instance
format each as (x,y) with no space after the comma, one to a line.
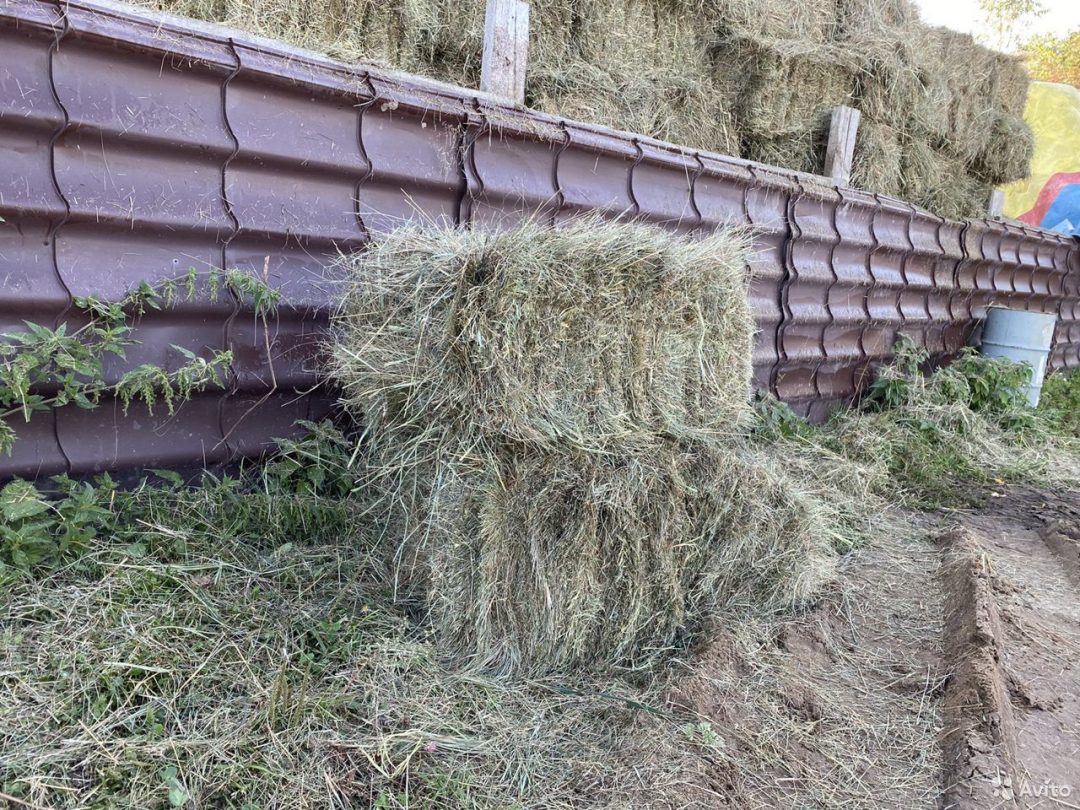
(1011,580)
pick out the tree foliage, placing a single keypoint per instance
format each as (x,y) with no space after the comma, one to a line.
(1053,58)
(1002,19)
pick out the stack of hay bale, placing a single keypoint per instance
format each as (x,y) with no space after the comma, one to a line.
(942,117)
(552,440)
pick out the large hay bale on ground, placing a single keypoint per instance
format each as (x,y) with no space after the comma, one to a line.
(590,336)
(553,452)
(537,561)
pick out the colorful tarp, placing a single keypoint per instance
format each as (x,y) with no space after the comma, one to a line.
(1050,198)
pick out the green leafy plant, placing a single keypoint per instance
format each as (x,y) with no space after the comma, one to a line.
(993,387)
(1054,57)
(178,796)
(1059,404)
(939,432)
(36,530)
(43,368)
(774,420)
(300,490)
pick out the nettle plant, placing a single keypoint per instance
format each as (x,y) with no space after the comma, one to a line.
(42,368)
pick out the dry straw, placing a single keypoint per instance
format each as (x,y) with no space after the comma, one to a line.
(592,337)
(555,440)
(753,78)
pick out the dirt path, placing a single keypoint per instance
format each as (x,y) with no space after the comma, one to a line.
(1027,543)
(942,671)
(838,707)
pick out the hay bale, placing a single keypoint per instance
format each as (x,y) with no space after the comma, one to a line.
(962,73)
(895,88)
(533,562)
(786,86)
(861,21)
(810,20)
(689,110)
(1011,82)
(943,184)
(589,336)
(877,164)
(552,448)
(922,171)
(1008,151)
(801,151)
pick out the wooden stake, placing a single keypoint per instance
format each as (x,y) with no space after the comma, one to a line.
(506,49)
(841,148)
(996,203)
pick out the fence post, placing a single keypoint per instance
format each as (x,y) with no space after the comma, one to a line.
(506,49)
(996,204)
(841,149)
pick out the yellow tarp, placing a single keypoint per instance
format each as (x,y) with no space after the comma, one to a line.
(1051,196)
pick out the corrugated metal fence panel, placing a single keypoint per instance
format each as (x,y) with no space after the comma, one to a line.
(31,206)
(136,147)
(139,164)
(1066,351)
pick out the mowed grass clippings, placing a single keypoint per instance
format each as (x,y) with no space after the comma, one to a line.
(236,677)
(938,438)
(556,425)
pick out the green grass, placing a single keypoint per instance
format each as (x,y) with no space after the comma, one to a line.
(936,438)
(1060,402)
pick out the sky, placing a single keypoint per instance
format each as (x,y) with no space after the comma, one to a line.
(964,15)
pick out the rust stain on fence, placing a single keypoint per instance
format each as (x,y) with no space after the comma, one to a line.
(136,147)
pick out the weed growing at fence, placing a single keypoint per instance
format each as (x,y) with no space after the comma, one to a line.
(43,368)
(934,438)
(299,493)
(1060,402)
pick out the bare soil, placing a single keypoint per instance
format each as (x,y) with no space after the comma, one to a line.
(942,671)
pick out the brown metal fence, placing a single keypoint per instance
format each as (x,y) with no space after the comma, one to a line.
(133,147)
